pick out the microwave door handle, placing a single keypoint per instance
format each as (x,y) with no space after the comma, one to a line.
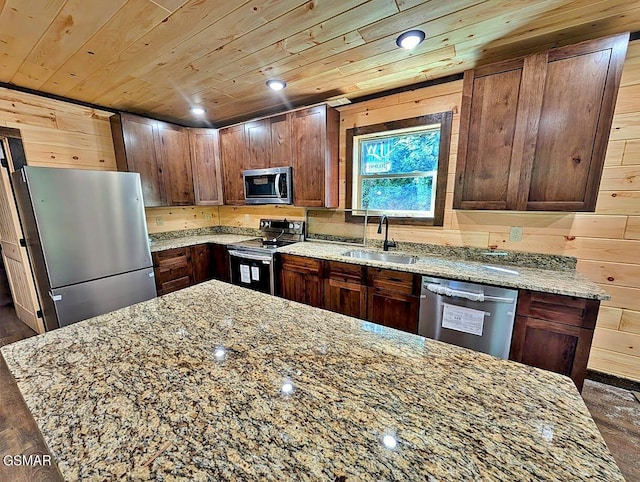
(278,193)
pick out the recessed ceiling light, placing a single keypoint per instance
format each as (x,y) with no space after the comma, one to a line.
(276,84)
(198,110)
(411,39)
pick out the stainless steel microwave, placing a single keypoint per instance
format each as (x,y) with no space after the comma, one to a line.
(268,186)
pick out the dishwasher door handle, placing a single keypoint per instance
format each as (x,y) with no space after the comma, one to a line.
(478,297)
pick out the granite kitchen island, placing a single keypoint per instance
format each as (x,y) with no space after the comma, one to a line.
(216,382)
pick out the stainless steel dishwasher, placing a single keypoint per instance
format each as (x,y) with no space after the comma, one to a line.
(470,315)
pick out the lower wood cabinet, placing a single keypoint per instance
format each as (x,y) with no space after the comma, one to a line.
(392,299)
(345,289)
(201,261)
(173,269)
(383,296)
(301,280)
(554,332)
(180,268)
(219,262)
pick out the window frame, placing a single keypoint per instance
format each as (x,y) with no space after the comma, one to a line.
(445,119)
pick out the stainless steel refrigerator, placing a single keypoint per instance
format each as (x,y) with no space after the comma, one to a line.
(86,234)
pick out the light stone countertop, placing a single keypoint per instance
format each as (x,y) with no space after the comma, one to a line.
(180,242)
(217,382)
(562,282)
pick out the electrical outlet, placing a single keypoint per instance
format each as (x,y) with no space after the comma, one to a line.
(207,216)
(159,221)
(515,234)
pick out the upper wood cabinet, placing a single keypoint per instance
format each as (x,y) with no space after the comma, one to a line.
(232,156)
(134,144)
(534,130)
(257,137)
(174,161)
(160,153)
(280,128)
(205,159)
(306,139)
(314,134)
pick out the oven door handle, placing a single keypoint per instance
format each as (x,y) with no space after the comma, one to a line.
(277,181)
(254,257)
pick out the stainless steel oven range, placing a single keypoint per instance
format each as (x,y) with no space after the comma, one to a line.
(251,262)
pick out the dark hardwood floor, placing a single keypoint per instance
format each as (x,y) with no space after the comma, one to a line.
(617,415)
(19,434)
(615,410)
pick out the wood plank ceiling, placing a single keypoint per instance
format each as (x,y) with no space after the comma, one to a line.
(160,57)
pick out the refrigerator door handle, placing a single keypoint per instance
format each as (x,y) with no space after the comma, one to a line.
(55,297)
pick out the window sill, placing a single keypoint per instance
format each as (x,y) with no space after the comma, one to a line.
(393,220)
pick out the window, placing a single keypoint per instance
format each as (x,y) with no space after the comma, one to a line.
(400,168)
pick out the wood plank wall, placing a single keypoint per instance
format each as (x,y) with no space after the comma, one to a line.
(606,243)
(59,134)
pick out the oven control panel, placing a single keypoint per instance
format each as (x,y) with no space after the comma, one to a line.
(291,227)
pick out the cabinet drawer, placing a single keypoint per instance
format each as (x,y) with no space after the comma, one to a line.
(301,264)
(168,273)
(346,272)
(172,257)
(174,285)
(389,280)
(561,309)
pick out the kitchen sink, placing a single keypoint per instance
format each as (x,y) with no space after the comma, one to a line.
(384,257)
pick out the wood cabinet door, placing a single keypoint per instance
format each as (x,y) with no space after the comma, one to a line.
(138,154)
(257,135)
(487,134)
(201,263)
(281,155)
(301,280)
(232,157)
(552,346)
(308,130)
(314,137)
(392,300)
(580,91)
(301,287)
(205,159)
(220,262)
(174,160)
(393,309)
(345,289)
(554,332)
(534,131)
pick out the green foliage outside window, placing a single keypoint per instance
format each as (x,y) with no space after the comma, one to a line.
(397,172)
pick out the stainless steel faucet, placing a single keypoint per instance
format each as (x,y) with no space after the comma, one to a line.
(387,244)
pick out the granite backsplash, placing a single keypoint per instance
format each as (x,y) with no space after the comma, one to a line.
(485,255)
